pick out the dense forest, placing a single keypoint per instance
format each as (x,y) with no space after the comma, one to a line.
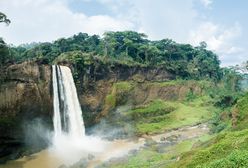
(126,47)
(200,93)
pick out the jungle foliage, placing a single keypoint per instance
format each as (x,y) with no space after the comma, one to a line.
(127,47)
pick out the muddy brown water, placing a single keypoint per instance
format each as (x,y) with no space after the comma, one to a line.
(115,149)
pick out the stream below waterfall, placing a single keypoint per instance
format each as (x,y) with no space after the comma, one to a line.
(113,149)
(70,145)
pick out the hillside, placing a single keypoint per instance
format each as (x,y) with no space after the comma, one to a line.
(129,88)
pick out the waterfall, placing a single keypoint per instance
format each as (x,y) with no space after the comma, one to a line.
(67,119)
(56,109)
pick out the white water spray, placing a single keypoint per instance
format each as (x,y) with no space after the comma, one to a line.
(56,115)
(70,143)
(67,118)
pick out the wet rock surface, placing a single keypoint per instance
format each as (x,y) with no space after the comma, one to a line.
(154,143)
(24,97)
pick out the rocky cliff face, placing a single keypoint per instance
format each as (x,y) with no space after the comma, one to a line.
(25,95)
(96,83)
(103,88)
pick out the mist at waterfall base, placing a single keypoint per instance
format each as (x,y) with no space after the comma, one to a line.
(112,128)
(69,141)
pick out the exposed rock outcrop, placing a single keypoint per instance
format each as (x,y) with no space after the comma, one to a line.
(98,79)
(25,95)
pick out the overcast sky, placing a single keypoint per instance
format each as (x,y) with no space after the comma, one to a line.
(221,23)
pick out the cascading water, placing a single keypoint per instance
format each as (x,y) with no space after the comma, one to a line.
(70,143)
(67,118)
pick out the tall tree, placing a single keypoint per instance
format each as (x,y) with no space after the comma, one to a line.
(4,52)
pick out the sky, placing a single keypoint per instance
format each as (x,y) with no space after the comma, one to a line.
(220,23)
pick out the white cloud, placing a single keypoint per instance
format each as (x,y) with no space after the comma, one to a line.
(158,19)
(206,3)
(166,19)
(44,20)
(219,39)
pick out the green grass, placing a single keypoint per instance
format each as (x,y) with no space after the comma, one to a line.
(168,83)
(242,113)
(123,86)
(155,108)
(150,157)
(201,83)
(118,88)
(110,100)
(227,150)
(144,159)
(237,159)
(182,114)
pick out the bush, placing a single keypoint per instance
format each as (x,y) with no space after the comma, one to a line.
(237,159)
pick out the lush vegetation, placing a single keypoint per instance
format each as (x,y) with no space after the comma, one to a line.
(156,155)
(228,148)
(222,102)
(127,47)
(225,150)
(159,116)
(222,105)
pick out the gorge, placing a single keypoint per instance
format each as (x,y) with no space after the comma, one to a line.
(63,92)
(136,110)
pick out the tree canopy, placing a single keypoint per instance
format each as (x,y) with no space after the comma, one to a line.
(128,47)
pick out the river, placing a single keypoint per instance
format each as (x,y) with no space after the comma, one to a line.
(113,149)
